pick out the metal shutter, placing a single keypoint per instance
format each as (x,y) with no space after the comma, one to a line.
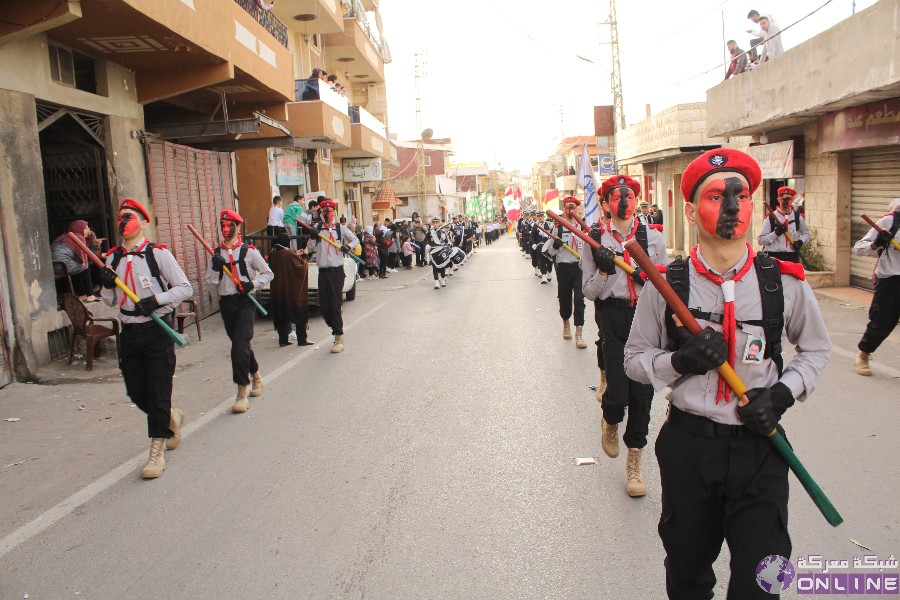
(875,182)
(189,187)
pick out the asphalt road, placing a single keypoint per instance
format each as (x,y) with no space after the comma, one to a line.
(434,459)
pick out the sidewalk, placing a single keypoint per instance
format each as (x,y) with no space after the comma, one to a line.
(56,448)
(851,295)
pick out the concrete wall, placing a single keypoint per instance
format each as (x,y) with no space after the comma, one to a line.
(23,208)
(254,187)
(852,63)
(683,125)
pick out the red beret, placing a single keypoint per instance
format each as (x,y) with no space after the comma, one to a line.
(230,215)
(571,200)
(720,160)
(133,204)
(328,203)
(616,181)
(786,190)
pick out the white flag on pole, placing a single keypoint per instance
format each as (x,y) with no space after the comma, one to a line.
(586,180)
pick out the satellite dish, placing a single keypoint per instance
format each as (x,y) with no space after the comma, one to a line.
(427,134)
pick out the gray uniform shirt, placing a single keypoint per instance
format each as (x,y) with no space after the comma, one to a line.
(257,269)
(597,286)
(647,360)
(326,254)
(772,242)
(889,263)
(562,255)
(146,285)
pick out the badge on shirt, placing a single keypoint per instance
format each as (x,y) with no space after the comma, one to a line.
(754,350)
(146,282)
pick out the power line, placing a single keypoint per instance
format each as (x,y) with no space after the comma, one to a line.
(694,22)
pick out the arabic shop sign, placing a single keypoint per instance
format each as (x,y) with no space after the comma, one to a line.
(875,124)
(362,169)
(289,169)
(776,161)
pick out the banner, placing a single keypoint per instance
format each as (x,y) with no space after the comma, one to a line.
(585,178)
(875,124)
(776,161)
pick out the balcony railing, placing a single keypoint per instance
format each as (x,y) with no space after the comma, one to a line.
(363,117)
(267,19)
(316,89)
(356,11)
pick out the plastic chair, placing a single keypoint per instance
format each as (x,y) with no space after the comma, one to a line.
(61,272)
(182,313)
(85,325)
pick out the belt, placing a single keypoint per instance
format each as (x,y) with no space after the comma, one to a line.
(621,303)
(698,425)
(330,269)
(146,324)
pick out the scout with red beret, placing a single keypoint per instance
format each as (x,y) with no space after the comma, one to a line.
(783,222)
(615,294)
(146,352)
(248,271)
(721,478)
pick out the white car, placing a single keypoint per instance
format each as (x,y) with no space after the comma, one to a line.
(350,273)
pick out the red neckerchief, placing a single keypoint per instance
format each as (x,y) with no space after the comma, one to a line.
(330,228)
(728,321)
(235,278)
(632,288)
(129,274)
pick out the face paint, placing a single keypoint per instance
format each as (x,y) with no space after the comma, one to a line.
(786,202)
(622,202)
(128,224)
(228,229)
(328,214)
(725,208)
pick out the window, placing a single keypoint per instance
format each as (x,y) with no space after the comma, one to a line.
(426,161)
(73,69)
(316,41)
(325,154)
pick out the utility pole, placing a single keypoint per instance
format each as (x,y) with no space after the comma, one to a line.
(421,191)
(616,77)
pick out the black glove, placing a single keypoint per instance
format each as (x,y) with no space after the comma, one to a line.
(345,249)
(636,276)
(701,353)
(882,239)
(246,286)
(779,229)
(218,261)
(107,278)
(557,244)
(797,245)
(765,408)
(314,228)
(604,259)
(147,305)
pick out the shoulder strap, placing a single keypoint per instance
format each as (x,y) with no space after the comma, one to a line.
(895,226)
(797,220)
(773,222)
(678,276)
(117,254)
(153,266)
(641,236)
(771,294)
(242,263)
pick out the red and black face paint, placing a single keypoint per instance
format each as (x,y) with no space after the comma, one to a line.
(622,202)
(725,208)
(328,214)
(229,228)
(786,201)
(128,224)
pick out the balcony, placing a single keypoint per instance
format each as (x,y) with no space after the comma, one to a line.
(267,19)
(566,183)
(322,122)
(311,16)
(359,48)
(368,136)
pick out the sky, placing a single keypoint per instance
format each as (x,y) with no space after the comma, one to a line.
(504,81)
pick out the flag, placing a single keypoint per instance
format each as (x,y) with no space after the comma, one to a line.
(585,178)
(551,200)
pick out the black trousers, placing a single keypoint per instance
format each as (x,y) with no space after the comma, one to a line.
(238,313)
(713,489)
(598,311)
(420,254)
(438,272)
(284,330)
(147,362)
(331,292)
(884,313)
(568,287)
(621,392)
(785,256)
(535,256)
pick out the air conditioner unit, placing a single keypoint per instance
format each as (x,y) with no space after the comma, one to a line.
(353,195)
(368,190)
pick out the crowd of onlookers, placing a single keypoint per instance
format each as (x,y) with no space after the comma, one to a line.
(765,44)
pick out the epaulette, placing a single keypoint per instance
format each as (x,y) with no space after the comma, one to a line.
(791,268)
(160,247)
(113,249)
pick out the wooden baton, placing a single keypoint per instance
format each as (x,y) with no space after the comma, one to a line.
(875,226)
(590,241)
(565,245)
(210,251)
(176,337)
(324,237)
(734,381)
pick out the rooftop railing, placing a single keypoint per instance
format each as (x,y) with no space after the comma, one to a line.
(356,11)
(267,19)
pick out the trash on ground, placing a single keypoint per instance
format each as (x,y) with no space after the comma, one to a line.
(860,545)
(316,348)
(585,460)
(104,418)
(539,310)
(592,387)
(12,419)
(82,406)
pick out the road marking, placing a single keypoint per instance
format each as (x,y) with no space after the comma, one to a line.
(54,514)
(874,365)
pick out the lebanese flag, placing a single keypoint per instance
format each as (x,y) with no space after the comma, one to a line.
(551,200)
(518,194)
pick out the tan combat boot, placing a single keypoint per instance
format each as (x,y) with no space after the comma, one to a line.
(609,438)
(156,463)
(567,331)
(241,404)
(176,420)
(256,389)
(602,387)
(635,486)
(862,364)
(338,344)
(579,340)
